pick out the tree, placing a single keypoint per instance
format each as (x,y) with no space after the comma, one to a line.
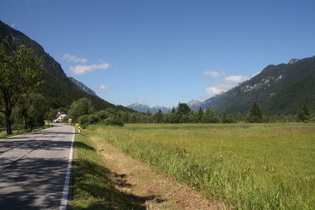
(20,72)
(304,113)
(254,115)
(183,109)
(238,117)
(158,117)
(83,106)
(32,108)
(226,118)
(209,116)
(200,114)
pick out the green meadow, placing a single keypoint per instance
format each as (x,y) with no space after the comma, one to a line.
(246,166)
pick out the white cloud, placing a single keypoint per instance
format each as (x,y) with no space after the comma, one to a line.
(102,87)
(12,25)
(81,69)
(214,73)
(215,89)
(227,83)
(74,58)
(235,79)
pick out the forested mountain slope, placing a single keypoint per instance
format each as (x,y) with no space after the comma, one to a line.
(278,89)
(58,89)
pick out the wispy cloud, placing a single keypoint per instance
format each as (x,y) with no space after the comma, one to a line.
(227,83)
(102,87)
(83,69)
(73,58)
(12,25)
(235,79)
(218,88)
(219,72)
(214,73)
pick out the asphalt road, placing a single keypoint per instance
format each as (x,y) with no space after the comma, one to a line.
(34,167)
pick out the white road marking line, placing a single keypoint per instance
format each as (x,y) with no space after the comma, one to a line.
(64,198)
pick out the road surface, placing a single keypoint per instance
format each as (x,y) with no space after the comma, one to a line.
(34,167)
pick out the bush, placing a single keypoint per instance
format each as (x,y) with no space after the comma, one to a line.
(113,120)
(84,121)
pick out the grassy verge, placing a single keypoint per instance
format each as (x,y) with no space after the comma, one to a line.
(93,188)
(265,166)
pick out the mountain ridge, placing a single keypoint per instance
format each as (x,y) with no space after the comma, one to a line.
(193,105)
(278,89)
(58,89)
(82,86)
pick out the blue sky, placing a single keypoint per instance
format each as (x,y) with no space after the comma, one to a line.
(162,52)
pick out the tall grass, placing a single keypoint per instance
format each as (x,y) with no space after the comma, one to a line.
(265,166)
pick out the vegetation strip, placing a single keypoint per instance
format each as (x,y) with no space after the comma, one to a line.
(97,187)
(147,184)
(93,189)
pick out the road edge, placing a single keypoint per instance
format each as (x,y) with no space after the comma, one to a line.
(66,186)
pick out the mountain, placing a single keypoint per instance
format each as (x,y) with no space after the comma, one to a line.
(139,107)
(278,89)
(155,109)
(194,105)
(82,87)
(144,108)
(58,89)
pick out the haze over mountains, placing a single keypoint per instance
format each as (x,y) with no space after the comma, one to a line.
(277,89)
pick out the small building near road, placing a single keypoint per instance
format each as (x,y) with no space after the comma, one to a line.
(60,116)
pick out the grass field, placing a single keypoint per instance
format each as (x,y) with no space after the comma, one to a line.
(247,166)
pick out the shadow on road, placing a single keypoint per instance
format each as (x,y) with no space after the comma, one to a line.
(30,174)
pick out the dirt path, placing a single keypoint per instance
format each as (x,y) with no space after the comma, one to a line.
(139,179)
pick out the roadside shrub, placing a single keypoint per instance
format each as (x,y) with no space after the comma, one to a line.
(84,121)
(113,120)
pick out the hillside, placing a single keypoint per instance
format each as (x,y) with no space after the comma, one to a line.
(82,86)
(278,89)
(58,89)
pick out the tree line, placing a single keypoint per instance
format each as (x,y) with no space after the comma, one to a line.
(82,111)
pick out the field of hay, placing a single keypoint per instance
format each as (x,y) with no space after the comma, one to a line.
(247,166)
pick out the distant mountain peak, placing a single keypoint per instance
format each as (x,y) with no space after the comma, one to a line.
(193,103)
(144,108)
